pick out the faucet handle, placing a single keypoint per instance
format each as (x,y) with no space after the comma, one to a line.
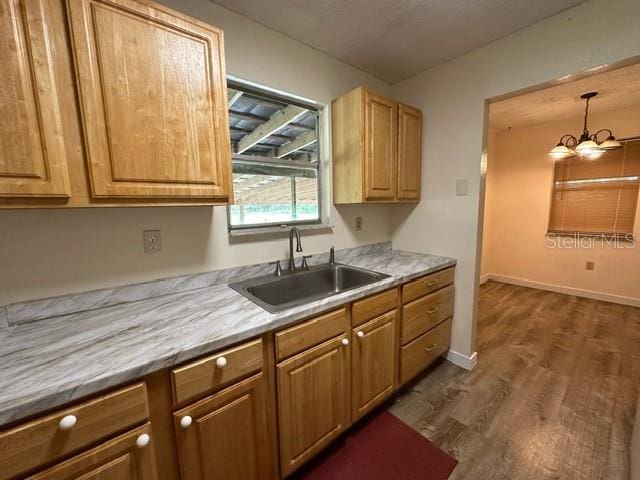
(332,255)
(304,265)
(278,272)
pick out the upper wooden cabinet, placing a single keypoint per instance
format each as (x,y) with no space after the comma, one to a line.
(409,152)
(377,149)
(154,109)
(32,157)
(111,102)
(380,150)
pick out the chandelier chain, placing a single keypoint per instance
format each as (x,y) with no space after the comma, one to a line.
(586,115)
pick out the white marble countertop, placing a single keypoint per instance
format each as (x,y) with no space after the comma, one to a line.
(52,362)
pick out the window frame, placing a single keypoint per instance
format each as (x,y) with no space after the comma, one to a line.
(290,99)
(625,237)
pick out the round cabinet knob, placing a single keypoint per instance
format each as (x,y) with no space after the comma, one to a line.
(221,362)
(360,334)
(185,422)
(345,341)
(67,422)
(143,440)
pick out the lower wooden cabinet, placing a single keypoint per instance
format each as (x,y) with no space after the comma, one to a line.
(373,363)
(225,436)
(48,439)
(330,371)
(421,352)
(127,457)
(313,401)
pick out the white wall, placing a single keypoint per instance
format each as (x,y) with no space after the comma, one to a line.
(452,98)
(519,179)
(52,252)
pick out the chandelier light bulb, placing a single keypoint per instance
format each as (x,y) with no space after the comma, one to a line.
(611,143)
(587,147)
(561,151)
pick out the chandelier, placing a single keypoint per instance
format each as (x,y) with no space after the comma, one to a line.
(587,146)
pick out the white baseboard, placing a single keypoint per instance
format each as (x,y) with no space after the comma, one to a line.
(523,282)
(462,360)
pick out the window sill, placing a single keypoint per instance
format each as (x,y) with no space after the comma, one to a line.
(282,230)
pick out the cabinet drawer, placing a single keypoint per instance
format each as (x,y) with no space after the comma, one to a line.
(418,355)
(41,441)
(374,306)
(310,333)
(215,371)
(425,285)
(423,314)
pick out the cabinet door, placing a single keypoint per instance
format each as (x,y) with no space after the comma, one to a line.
(153,102)
(226,436)
(127,457)
(312,401)
(373,360)
(32,156)
(409,152)
(380,137)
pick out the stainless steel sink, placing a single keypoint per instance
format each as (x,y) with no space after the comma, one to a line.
(276,294)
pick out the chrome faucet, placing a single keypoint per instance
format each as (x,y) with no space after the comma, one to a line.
(332,256)
(292,261)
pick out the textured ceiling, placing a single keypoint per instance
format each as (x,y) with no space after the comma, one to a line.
(395,39)
(616,89)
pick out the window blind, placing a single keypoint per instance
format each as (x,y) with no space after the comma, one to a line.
(597,196)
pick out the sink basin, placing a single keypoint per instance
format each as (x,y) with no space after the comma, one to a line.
(275,294)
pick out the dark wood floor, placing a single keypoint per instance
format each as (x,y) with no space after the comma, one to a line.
(553,395)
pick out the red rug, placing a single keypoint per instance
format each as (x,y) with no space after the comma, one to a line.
(382,448)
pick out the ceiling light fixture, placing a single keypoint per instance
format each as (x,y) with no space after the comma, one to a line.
(587,146)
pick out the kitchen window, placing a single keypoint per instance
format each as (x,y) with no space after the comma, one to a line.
(597,196)
(275,159)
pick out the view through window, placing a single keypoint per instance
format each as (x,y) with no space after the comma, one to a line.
(275,160)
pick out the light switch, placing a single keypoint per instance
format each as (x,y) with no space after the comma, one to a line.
(462,187)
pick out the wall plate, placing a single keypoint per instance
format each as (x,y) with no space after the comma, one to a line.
(152,241)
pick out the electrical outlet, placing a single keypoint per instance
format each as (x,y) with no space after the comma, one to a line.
(358,224)
(152,241)
(589,265)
